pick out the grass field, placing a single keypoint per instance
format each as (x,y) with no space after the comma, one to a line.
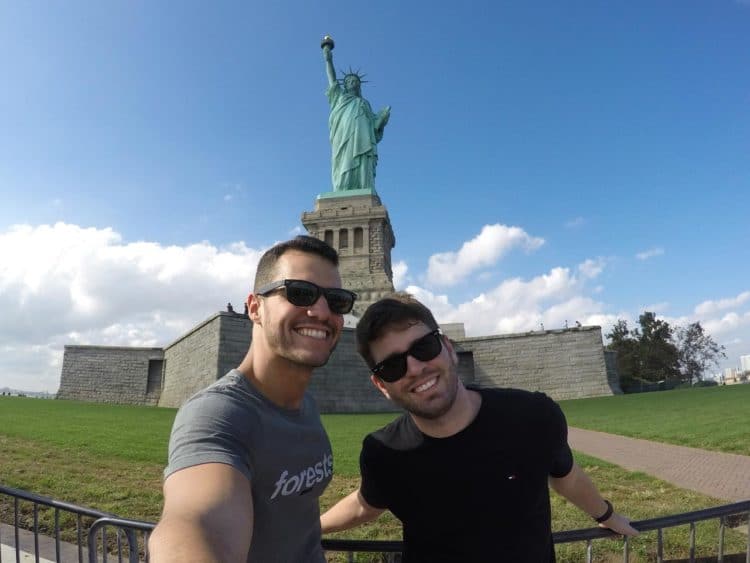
(713,418)
(111,457)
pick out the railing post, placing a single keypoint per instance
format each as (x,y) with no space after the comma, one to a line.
(626,550)
(692,542)
(659,546)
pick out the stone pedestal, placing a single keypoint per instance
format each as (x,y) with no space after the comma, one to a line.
(358,227)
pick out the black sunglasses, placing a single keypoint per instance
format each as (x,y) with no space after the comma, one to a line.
(423,349)
(305,294)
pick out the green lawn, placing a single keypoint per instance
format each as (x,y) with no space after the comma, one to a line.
(140,434)
(110,457)
(134,433)
(713,418)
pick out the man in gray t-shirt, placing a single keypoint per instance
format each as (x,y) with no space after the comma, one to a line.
(248,456)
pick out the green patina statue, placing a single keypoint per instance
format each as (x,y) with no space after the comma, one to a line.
(355,129)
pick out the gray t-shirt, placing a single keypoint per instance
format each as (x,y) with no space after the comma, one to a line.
(284,453)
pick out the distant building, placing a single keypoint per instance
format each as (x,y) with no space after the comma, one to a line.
(734,375)
(745,363)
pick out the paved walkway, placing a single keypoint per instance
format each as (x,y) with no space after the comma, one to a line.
(47,554)
(723,476)
(9,554)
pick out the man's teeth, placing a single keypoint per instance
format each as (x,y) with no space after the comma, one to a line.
(426,385)
(313,333)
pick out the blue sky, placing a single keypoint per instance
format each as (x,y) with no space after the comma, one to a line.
(544,162)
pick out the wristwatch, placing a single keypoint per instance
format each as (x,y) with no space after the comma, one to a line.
(607,514)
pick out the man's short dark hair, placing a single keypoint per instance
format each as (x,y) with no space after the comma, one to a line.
(397,311)
(302,243)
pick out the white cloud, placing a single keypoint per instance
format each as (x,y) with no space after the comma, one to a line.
(650,253)
(592,268)
(66,284)
(449,268)
(712,307)
(726,324)
(293,232)
(573,223)
(517,305)
(399,274)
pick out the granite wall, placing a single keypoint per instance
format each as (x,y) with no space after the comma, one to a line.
(112,374)
(565,364)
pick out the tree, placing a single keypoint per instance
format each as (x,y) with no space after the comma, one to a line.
(626,351)
(647,353)
(697,352)
(658,354)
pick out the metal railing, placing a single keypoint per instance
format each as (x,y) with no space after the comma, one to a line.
(36,520)
(129,539)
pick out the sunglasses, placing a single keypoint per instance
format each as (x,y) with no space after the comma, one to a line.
(305,294)
(423,349)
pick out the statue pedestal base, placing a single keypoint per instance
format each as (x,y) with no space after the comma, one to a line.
(347,193)
(356,224)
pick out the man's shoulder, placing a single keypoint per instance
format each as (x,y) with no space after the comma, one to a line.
(400,434)
(512,395)
(230,393)
(518,404)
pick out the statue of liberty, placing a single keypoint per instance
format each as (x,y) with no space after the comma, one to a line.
(355,130)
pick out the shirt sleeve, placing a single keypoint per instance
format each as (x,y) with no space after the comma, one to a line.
(561,456)
(372,489)
(208,429)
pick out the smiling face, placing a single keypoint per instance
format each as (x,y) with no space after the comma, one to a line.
(429,389)
(302,336)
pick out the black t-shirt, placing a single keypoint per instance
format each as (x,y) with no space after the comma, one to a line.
(479,495)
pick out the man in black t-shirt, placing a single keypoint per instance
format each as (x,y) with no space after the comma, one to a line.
(465,470)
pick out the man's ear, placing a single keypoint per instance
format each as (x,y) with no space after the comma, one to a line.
(451,351)
(377,382)
(253,309)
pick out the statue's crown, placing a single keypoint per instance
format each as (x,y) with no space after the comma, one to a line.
(351,72)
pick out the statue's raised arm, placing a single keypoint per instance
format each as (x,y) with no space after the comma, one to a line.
(355,130)
(327,46)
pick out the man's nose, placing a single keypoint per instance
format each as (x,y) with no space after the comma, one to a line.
(413,365)
(319,309)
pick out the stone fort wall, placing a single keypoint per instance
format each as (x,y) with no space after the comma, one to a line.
(112,374)
(567,363)
(203,355)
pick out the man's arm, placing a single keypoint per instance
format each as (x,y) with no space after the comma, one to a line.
(578,489)
(207,517)
(349,512)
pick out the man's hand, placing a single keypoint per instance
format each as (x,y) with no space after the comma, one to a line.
(578,489)
(619,524)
